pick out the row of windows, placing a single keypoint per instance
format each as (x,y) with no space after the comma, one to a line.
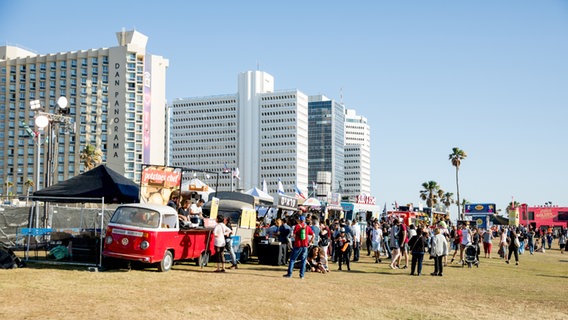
(285,97)
(62,74)
(204,103)
(62,64)
(277,144)
(278,113)
(281,128)
(203,118)
(279,105)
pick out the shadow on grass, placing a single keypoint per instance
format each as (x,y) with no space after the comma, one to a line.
(552,276)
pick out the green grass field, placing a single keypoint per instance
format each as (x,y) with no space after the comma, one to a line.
(536,289)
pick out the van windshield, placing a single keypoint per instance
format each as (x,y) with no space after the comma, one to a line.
(139,217)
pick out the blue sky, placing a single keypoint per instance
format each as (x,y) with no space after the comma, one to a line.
(490,77)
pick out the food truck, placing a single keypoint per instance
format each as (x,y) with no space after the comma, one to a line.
(150,233)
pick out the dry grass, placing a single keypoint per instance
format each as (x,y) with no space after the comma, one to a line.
(536,289)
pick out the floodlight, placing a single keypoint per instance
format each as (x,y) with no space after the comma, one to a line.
(35,105)
(41,121)
(62,103)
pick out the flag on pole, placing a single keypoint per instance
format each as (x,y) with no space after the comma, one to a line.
(299,193)
(396,205)
(236,174)
(226,169)
(264,186)
(280,187)
(385,209)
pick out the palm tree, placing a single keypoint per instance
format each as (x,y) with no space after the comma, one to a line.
(8,185)
(431,193)
(91,157)
(447,199)
(513,205)
(456,157)
(28,184)
(464,202)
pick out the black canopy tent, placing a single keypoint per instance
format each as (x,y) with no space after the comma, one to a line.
(100,182)
(499,220)
(98,185)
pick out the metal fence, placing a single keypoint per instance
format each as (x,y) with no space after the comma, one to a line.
(61,231)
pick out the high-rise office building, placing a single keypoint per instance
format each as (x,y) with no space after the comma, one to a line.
(327,140)
(260,131)
(111,94)
(357,178)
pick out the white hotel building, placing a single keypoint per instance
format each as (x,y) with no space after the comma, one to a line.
(111,92)
(262,132)
(357,174)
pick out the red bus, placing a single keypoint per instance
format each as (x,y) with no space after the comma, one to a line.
(544,217)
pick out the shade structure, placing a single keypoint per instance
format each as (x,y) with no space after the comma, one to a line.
(198,186)
(312,202)
(260,194)
(100,182)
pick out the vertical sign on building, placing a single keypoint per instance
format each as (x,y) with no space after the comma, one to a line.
(147,110)
(116,111)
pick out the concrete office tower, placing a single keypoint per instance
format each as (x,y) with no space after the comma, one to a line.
(357,178)
(327,140)
(262,132)
(111,92)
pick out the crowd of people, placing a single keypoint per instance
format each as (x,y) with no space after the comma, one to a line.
(311,244)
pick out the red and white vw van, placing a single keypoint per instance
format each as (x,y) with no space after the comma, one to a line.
(150,233)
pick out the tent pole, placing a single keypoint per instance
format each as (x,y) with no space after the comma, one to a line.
(101,235)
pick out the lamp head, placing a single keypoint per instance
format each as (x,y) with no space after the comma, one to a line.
(62,103)
(41,121)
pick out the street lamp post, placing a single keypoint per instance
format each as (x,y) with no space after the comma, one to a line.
(51,121)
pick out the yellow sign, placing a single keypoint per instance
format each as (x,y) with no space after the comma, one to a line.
(248,219)
(214,208)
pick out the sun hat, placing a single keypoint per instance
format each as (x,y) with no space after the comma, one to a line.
(342,230)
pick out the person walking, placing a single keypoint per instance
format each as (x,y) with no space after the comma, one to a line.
(530,240)
(438,249)
(302,240)
(513,242)
(356,240)
(343,247)
(395,244)
(229,244)
(487,243)
(376,237)
(418,246)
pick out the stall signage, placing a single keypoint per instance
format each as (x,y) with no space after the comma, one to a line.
(364,199)
(286,201)
(480,208)
(335,199)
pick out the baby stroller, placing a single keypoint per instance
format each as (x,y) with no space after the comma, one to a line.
(470,256)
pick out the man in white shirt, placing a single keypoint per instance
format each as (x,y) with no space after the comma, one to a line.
(196,211)
(356,240)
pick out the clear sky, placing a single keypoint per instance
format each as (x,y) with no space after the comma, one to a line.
(489,77)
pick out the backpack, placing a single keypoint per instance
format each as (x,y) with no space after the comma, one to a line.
(324,239)
(303,232)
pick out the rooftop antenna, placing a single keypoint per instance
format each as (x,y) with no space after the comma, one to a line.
(257,65)
(341,95)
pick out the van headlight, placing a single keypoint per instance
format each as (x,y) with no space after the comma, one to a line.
(144,245)
(108,239)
